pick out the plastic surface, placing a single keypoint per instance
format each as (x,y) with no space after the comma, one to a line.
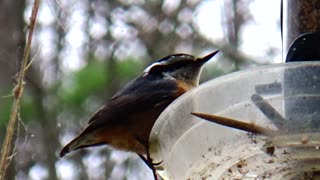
(284,98)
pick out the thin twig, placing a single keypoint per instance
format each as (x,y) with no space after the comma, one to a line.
(233,123)
(17,93)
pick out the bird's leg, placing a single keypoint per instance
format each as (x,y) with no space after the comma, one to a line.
(148,160)
(150,165)
(149,157)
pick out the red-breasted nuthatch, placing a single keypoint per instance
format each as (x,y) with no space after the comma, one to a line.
(125,122)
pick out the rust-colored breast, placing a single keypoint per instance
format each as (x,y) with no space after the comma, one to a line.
(184,87)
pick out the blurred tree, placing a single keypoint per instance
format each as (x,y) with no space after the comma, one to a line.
(11,48)
(235,18)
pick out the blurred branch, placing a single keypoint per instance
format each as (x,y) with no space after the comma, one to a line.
(17,93)
(231,52)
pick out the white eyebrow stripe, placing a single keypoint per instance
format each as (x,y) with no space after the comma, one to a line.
(157,63)
(151,66)
(165,62)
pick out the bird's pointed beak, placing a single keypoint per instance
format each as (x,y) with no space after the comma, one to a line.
(207,57)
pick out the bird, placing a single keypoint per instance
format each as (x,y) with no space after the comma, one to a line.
(125,121)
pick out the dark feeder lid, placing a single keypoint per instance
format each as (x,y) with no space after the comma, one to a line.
(190,147)
(305,48)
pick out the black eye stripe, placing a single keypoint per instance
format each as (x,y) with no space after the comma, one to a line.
(169,67)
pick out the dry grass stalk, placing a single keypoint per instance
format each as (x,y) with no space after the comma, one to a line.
(17,93)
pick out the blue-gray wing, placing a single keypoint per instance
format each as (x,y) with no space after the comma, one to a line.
(137,96)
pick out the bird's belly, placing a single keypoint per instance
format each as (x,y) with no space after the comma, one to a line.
(128,144)
(120,138)
(131,134)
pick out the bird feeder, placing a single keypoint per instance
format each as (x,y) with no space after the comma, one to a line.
(190,147)
(261,123)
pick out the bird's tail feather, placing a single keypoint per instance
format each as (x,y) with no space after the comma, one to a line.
(82,141)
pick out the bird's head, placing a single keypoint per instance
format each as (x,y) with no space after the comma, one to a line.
(181,67)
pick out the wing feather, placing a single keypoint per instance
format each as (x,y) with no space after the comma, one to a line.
(137,96)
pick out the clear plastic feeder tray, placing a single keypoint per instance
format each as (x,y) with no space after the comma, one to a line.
(284,98)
